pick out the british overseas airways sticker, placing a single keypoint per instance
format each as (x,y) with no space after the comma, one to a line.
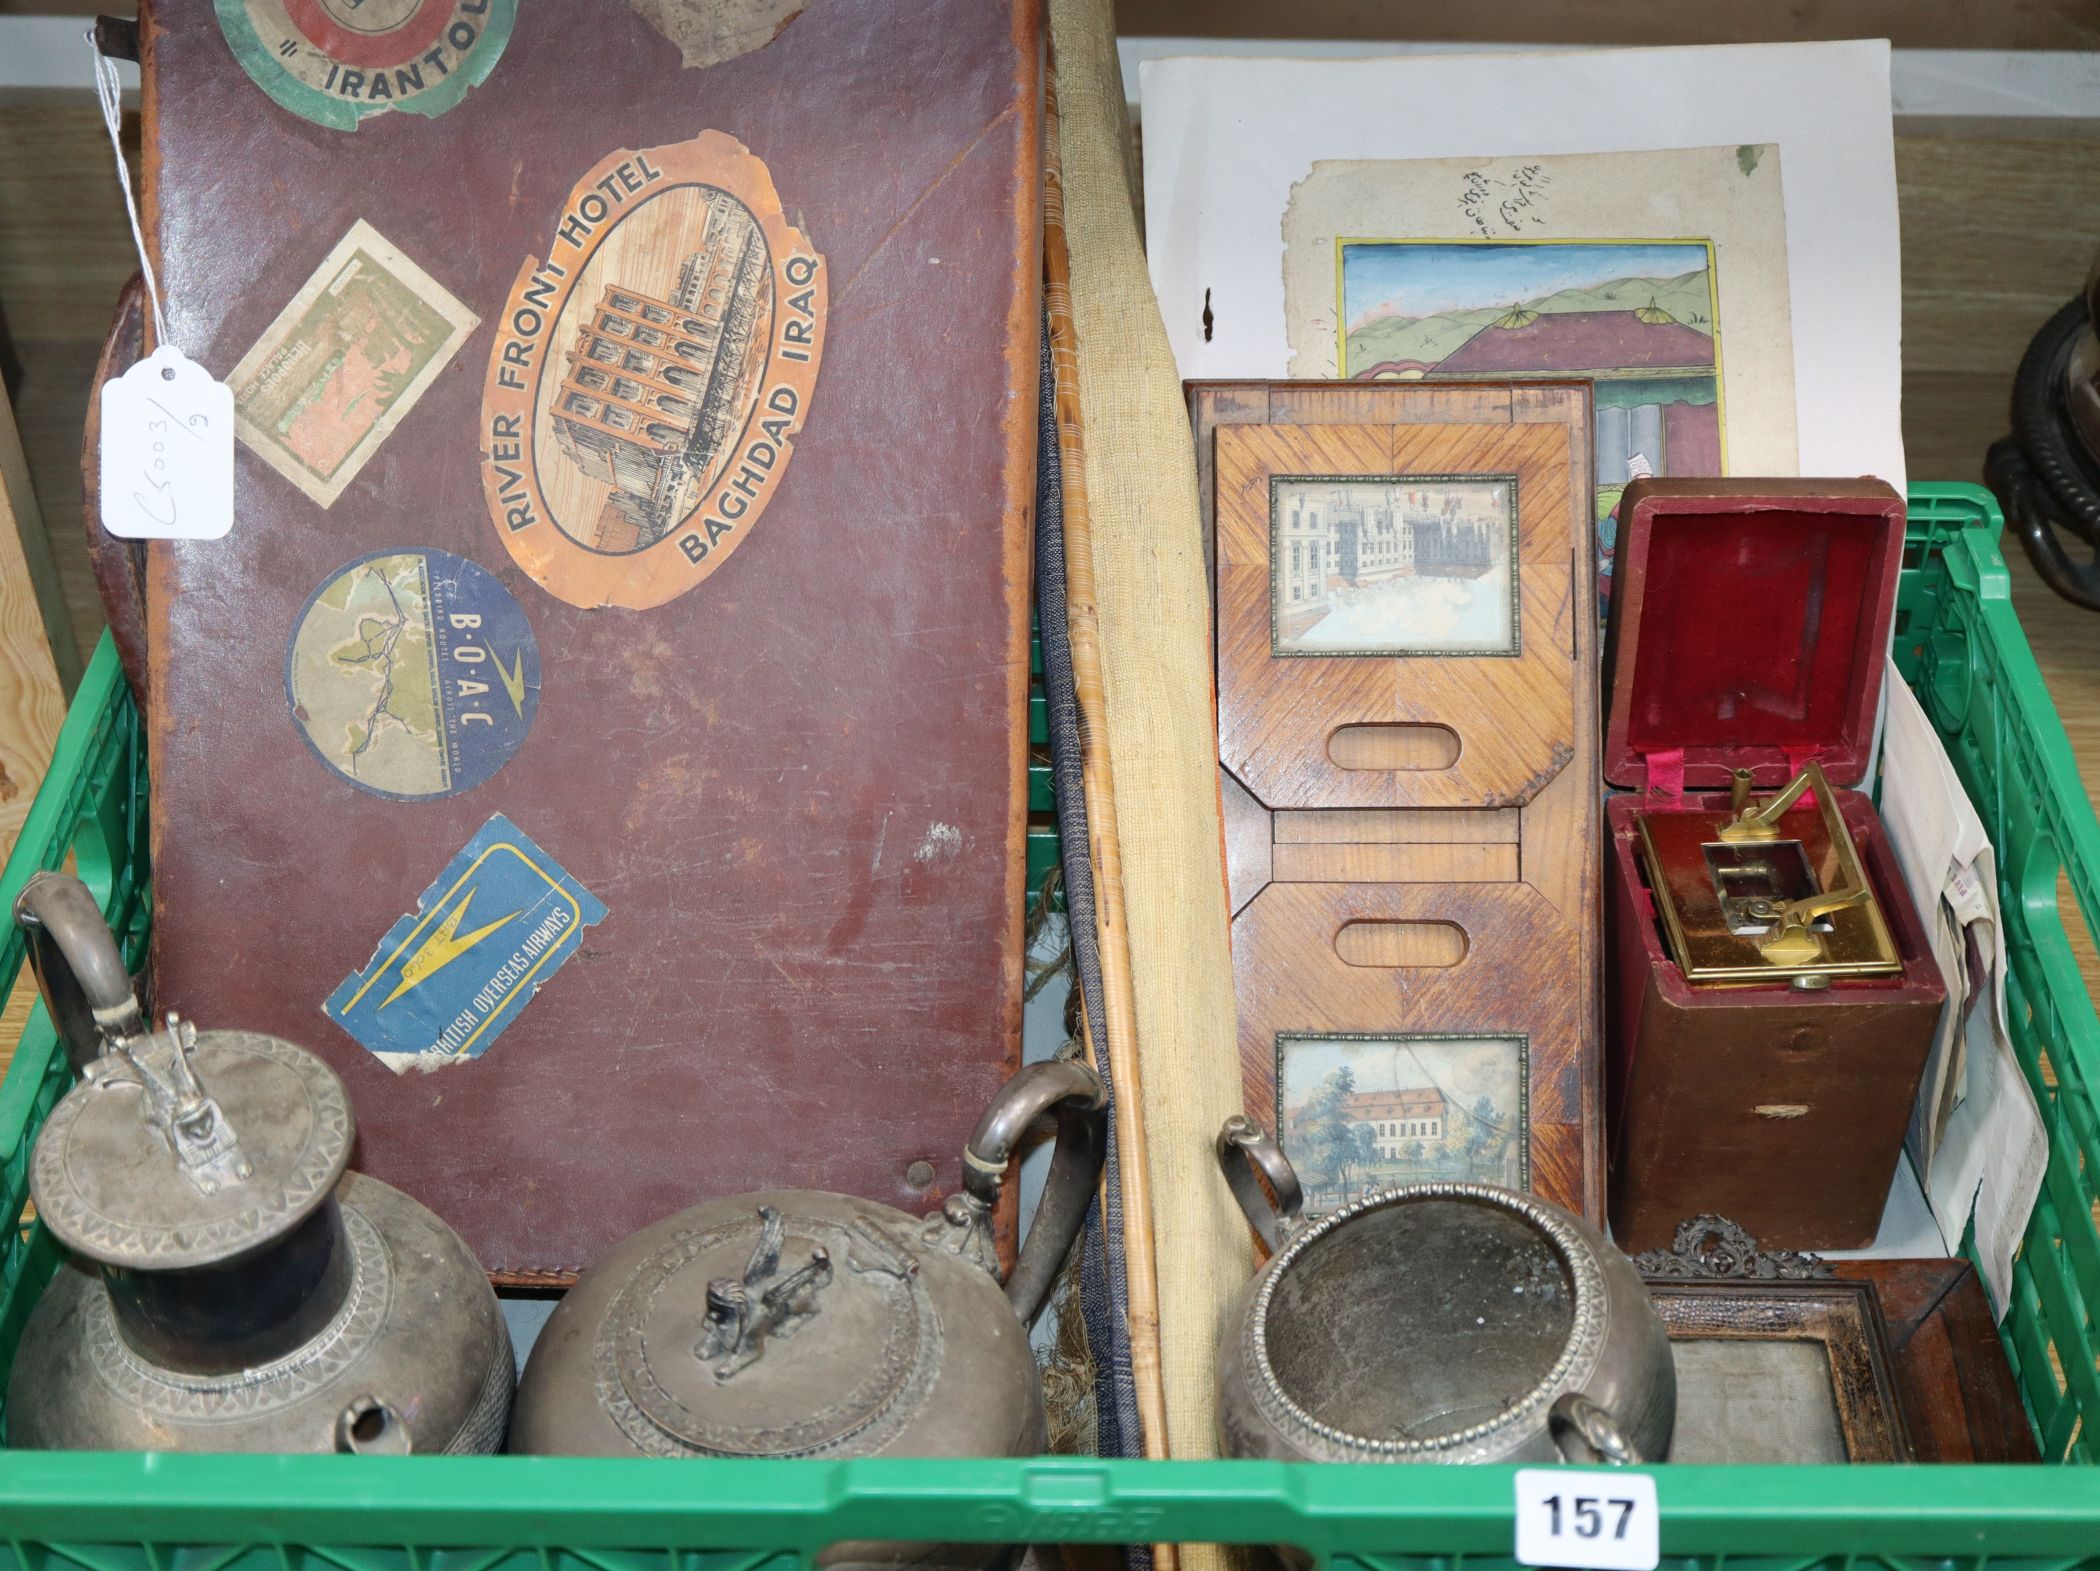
(451,976)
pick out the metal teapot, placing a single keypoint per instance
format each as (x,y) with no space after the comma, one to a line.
(233,1287)
(792,1323)
(1435,1322)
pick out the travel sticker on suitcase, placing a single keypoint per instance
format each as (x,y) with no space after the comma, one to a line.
(451,976)
(649,376)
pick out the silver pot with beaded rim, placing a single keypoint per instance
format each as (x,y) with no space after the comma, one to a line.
(232,1287)
(1435,1322)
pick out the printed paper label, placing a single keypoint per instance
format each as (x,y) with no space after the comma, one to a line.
(413,673)
(1587,1520)
(336,61)
(451,977)
(649,377)
(345,362)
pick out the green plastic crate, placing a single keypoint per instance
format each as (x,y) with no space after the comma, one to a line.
(1959,643)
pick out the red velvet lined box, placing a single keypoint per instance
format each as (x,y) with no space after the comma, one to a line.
(1750,622)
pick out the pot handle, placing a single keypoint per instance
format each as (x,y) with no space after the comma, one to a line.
(78,967)
(1074,1092)
(1245,1147)
(1578,1425)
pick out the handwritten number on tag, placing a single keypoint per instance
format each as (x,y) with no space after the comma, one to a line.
(1594,1521)
(163,492)
(167,451)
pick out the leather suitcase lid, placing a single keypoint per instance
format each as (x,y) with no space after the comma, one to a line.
(1748,628)
(774,820)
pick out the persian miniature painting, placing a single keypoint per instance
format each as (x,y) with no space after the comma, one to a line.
(1639,320)
(1393,565)
(1361,1113)
(1660,277)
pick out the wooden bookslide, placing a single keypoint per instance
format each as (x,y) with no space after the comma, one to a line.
(1407,724)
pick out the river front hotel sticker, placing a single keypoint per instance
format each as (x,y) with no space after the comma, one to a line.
(412,673)
(649,376)
(451,976)
(336,61)
(344,363)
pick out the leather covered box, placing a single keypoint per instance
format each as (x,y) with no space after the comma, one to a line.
(1749,632)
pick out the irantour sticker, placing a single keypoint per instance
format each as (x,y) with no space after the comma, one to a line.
(650,376)
(413,673)
(452,975)
(334,62)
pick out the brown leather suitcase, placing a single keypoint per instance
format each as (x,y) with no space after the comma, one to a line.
(1749,629)
(610,701)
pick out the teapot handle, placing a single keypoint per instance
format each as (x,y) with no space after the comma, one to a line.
(1075,1093)
(1577,1424)
(79,969)
(1243,1147)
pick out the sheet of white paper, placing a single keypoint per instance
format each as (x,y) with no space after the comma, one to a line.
(1991,1147)
(1226,139)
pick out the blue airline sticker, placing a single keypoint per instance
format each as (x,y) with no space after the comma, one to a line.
(413,673)
(451,976)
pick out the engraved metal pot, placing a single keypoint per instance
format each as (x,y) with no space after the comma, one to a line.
(793,1323)
(1435,1322)
(233,1288)
(799,1323)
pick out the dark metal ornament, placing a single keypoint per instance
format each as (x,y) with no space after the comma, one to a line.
(1711,1248)
(2046,474)
(233,1288)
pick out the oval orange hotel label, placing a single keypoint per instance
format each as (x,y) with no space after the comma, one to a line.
(649,377)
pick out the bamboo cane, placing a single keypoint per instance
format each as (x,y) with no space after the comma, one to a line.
(1118,999)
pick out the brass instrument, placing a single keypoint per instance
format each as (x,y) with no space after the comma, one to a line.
(1757,894)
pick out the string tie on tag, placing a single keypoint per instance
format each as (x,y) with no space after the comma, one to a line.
(109,91)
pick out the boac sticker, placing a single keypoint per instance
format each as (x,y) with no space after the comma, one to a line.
(412,674)
(451,976)
(649,377)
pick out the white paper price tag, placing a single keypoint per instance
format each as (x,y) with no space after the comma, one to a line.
(167,451)
(1591,1520)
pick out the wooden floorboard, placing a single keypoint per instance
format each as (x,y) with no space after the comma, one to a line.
(65,251)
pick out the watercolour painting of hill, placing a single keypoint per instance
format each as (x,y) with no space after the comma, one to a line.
(1383,280)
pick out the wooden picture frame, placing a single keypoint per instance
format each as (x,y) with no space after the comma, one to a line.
(1958,1389)
(1959,1398)
(1416,724)
(1817,1342)
(1411,824)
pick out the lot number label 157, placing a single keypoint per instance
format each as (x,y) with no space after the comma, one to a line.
(1589,1520)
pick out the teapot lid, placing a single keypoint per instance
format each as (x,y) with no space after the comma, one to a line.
(178,1150)
(793,1329)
